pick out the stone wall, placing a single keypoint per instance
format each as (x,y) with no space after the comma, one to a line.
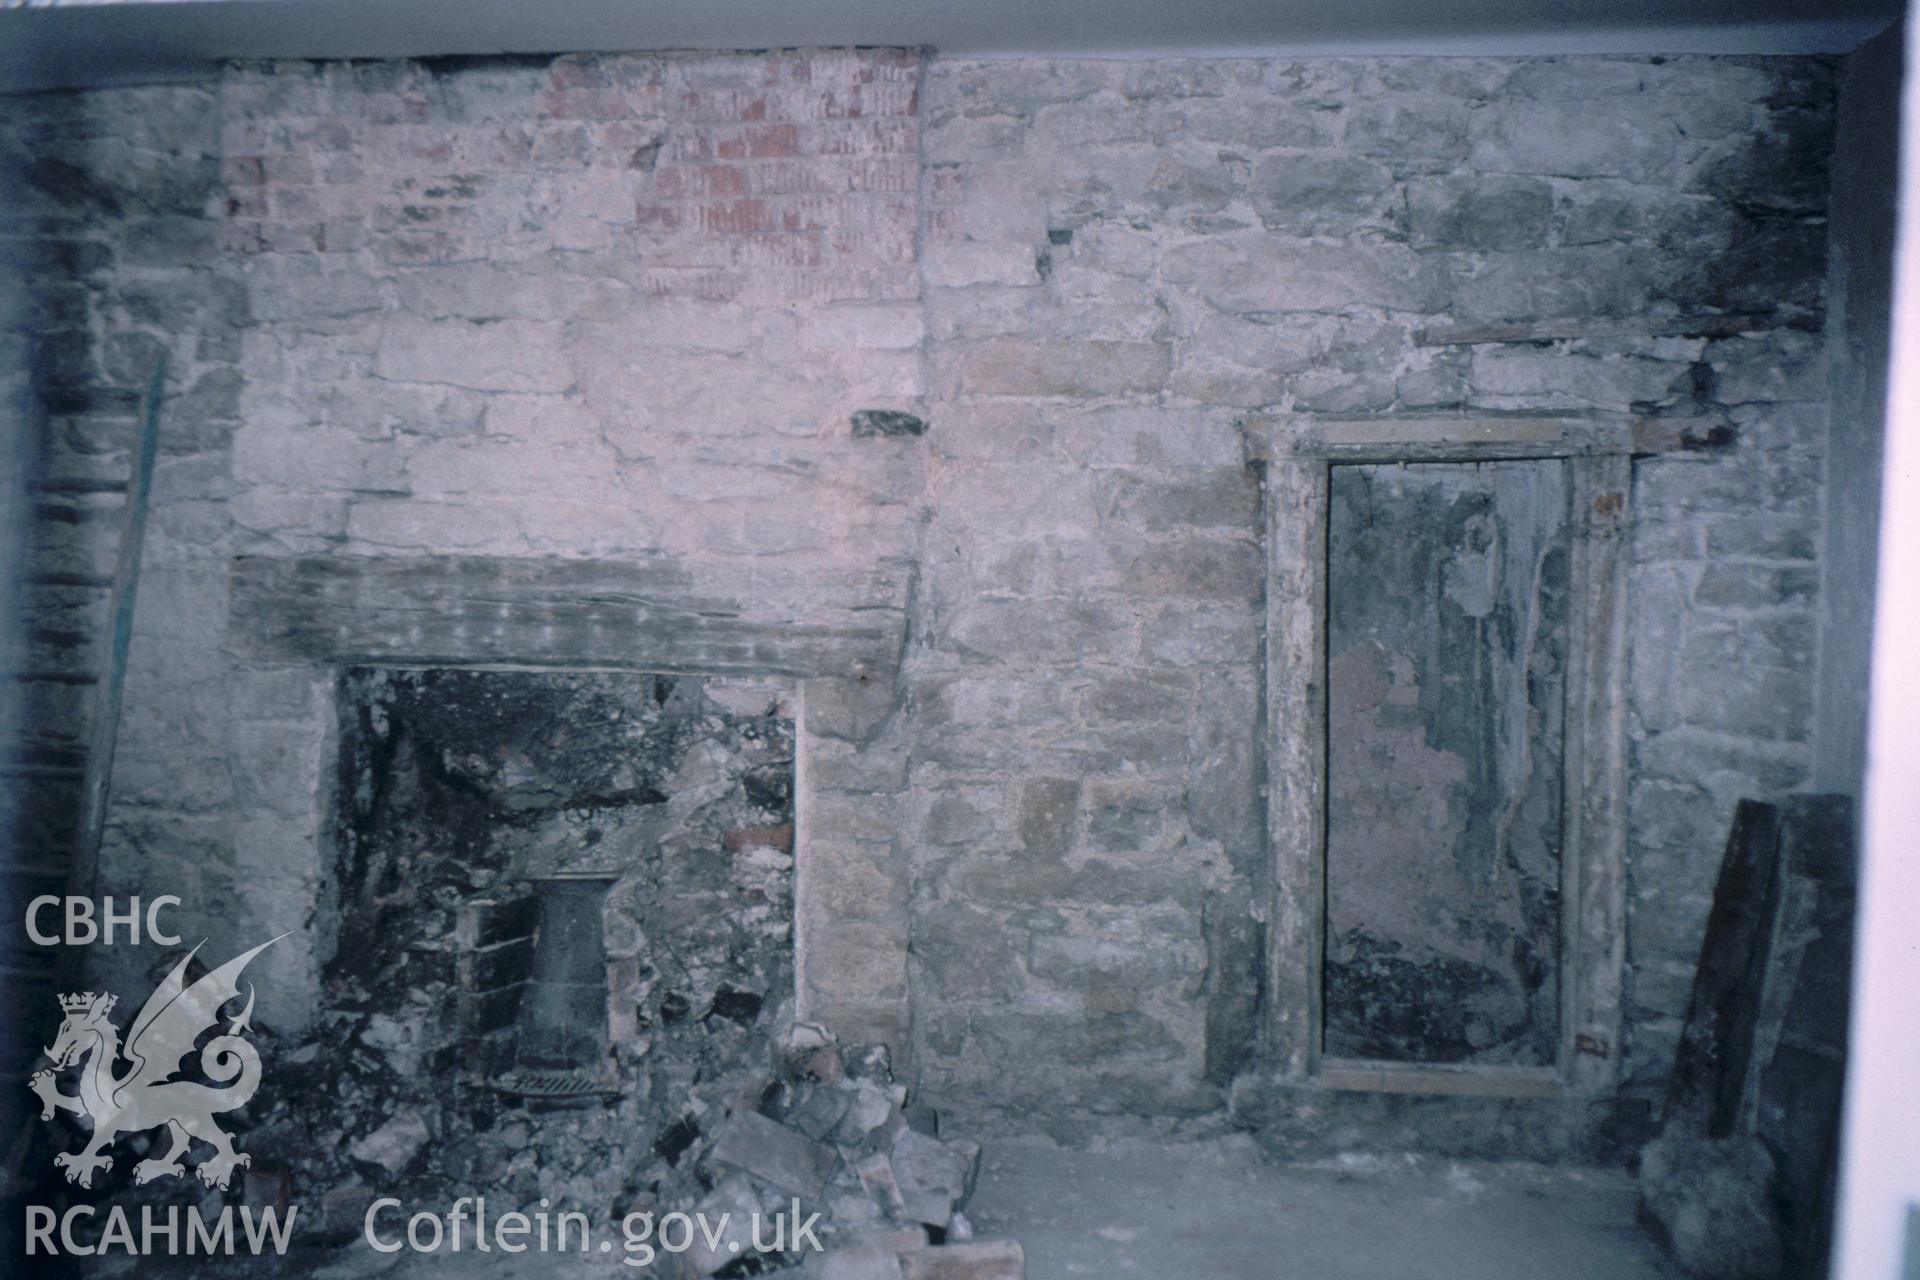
(1119,257)
(622,309)
(108,237)
(606,308)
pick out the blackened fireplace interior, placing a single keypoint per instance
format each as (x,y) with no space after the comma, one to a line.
(567,887)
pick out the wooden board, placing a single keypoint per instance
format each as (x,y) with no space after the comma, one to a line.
(478,610)
(1800,1043)
(1440,1081)
(1716,1043)
(1295,737)
(1470,437)
(104,731)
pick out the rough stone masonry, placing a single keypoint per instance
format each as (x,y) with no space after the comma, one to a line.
(624,312)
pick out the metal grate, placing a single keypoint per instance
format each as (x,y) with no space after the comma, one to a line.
(553,1084)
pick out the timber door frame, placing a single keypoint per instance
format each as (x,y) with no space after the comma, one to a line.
(1297,453)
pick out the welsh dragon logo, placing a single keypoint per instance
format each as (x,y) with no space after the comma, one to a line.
(145,1096)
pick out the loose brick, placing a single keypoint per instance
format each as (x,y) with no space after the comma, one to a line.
(980,1260)
(771,1151)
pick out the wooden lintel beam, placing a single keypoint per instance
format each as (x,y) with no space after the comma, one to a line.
(1392,1077)
(1466,437)
(1699,326)
(492,610)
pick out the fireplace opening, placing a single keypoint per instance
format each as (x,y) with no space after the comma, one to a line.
(559,889)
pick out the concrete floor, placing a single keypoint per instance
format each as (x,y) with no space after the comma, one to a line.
(1209,1211)
(1215,1211)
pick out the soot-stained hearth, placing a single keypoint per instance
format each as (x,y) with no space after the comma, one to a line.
(649,817)
(565,976)
(463,786)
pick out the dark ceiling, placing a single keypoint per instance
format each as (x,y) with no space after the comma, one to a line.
(104,41)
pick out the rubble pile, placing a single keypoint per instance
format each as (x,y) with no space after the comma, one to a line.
(825,1129)
(818,1133)
(474,802)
